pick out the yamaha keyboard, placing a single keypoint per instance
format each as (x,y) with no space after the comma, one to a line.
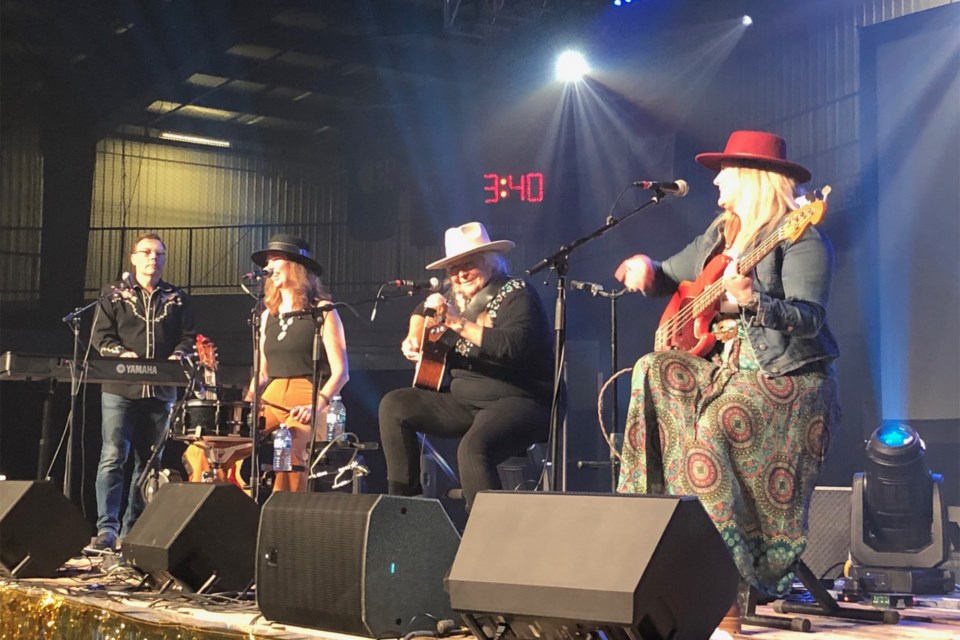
(18,366)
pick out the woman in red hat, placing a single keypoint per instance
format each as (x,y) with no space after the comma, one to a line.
(286,349)
(745,427)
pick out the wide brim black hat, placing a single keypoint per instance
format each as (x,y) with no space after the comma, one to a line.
(292,248)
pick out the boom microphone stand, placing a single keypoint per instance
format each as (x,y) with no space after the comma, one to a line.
(559,262)
(256,316)
(76,377)
(151,468)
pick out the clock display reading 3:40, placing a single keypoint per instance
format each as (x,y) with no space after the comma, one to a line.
(527,187)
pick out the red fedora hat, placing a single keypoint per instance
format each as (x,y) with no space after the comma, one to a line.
(756,149)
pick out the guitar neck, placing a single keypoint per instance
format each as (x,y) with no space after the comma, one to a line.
(683,310)
(746,264)
(712,293)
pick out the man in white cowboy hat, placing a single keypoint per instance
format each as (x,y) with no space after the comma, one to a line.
(500,364)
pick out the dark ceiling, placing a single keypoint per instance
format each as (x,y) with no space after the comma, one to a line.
(259,71)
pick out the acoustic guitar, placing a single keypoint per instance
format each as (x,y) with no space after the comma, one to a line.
(685,324)
(433,353)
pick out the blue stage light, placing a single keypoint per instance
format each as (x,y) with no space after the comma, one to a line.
(895,435)
(746,21)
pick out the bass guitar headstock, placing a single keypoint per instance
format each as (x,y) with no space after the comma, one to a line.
(811,213)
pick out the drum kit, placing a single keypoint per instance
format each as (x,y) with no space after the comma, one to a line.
(222,430)
(219,434)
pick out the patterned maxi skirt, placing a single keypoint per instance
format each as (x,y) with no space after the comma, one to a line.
(749,446)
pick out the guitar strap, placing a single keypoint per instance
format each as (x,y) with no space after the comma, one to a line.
(480,301)
(474,308)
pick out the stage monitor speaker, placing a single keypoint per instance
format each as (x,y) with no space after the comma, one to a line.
(39,529)
(358,564)
(828,538)
(202,535)
(550,565)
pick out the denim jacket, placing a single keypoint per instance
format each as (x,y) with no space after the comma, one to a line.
(789,329)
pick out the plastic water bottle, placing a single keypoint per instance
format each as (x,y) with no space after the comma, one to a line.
(336,419)
(282,448)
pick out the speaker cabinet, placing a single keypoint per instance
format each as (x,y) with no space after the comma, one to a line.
(358,564)
(201,535)
(559,565)
(39,529)
(828,538)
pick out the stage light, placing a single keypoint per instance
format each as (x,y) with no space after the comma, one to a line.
(898,535)
(746,21)
(571,66)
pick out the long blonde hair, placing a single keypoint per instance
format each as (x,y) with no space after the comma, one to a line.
(763,200)
(306,286)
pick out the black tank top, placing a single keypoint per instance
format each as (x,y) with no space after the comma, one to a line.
(291,356)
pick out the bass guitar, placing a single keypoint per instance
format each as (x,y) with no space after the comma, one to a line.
(685,324)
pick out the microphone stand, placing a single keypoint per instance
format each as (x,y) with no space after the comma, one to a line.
(256,316)
(318,314)
(73,320)
(382,297)
(597,290)
(151,468)
(559,262)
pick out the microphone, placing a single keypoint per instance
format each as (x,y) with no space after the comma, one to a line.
(258,273)
(678,188)
(591,287)
(125,287)
(433,284)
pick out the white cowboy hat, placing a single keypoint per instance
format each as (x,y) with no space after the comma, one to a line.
(466,240)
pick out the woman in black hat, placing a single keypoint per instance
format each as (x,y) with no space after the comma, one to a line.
(286,348)
(745,426)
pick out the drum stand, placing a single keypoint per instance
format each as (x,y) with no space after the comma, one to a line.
(219,456)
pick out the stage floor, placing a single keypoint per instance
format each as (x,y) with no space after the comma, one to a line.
(89,601)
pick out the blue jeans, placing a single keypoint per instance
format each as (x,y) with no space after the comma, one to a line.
(142,424)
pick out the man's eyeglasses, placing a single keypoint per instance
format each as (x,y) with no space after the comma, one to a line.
(147,252)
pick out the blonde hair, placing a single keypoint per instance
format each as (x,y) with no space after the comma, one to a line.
(763,199)
(306,286)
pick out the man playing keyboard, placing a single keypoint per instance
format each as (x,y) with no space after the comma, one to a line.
(144,317)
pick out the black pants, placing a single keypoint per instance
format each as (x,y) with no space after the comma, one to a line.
(491,432)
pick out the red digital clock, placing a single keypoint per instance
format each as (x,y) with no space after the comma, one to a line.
(527,187)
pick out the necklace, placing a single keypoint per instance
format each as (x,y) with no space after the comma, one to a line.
(284,325)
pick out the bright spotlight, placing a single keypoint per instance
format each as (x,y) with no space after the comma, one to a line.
(571,66)
(746,21)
